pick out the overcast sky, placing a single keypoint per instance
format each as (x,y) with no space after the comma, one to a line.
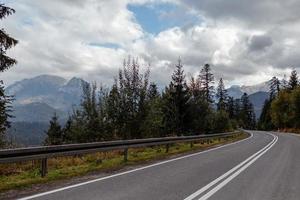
(246,41)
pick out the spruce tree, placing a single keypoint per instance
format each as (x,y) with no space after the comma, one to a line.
(222,96)
(176,99)
(284,83)
(231,108)
(6,42)
(247,114)
(54,133)
(265,119)
(133,86)
(274,87)
(207,80)
(152,91)
(293,81)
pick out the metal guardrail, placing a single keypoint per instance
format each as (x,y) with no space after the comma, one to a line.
(44,152)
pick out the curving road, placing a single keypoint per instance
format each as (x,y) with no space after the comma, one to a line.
(264,166)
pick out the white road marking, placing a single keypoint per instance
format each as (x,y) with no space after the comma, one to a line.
(130,171)
(227,180)
(241,168)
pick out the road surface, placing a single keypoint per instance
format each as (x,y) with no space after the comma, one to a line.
(266,166)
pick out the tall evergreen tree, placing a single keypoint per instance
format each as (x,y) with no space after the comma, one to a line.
(152,125)
(274,87)
(5,113)
(231,108)
(153,91)
(54,133)
(222,96)
(133,86)
(207,79)
(247,113)
(6,42)
(265,119)
(176,99)
(284,83)
(293,81)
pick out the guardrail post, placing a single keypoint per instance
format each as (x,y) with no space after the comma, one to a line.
(192,144)
(126,155)
(44,166)
(167,148)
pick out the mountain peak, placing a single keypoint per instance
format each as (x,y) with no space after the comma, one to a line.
(75,82)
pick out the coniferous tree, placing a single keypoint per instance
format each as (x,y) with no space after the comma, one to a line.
(222,96)
(54,133)
(247,114)
(207,79)
(5,113)
(265,119)
(284,83)
(230,108)
(133,87)
(176,99)
(274,87)
(153,91)
(293,81)
(153,123)
(6,42)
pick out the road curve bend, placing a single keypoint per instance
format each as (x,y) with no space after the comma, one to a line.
(264,166)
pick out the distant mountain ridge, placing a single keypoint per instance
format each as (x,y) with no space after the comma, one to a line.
(237,91)
(36,99)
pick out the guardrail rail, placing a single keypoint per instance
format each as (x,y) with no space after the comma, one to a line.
(44,152)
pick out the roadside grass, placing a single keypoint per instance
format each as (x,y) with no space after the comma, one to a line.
(26,174)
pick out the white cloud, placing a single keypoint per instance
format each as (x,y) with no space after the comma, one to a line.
(244,40)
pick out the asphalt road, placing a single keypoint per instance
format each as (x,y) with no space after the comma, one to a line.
(265,166)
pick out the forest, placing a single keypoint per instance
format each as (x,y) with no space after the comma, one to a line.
(135,108)
(282,110)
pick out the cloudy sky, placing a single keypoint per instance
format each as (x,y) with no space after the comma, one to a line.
(246,42)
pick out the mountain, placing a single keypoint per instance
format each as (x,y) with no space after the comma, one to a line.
(27,133)
(237,91)
(36,99)
(258,100)
(35,112)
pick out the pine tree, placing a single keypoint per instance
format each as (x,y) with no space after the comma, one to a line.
(284,83)
(293,82)
(274,87)
(6,42)
(247,114)
(133,86)
(207,79)
(5,113)
(231,108)
(152,91)
(222,96)
(176,99)
(54,133)
(152,126)
(265,120)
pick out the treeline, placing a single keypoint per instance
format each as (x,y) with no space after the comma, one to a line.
(6,62)
(282,109)
(135,108)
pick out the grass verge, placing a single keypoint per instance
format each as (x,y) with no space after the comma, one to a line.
(25,174)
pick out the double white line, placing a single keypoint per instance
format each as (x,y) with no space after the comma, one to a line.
(221,181)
